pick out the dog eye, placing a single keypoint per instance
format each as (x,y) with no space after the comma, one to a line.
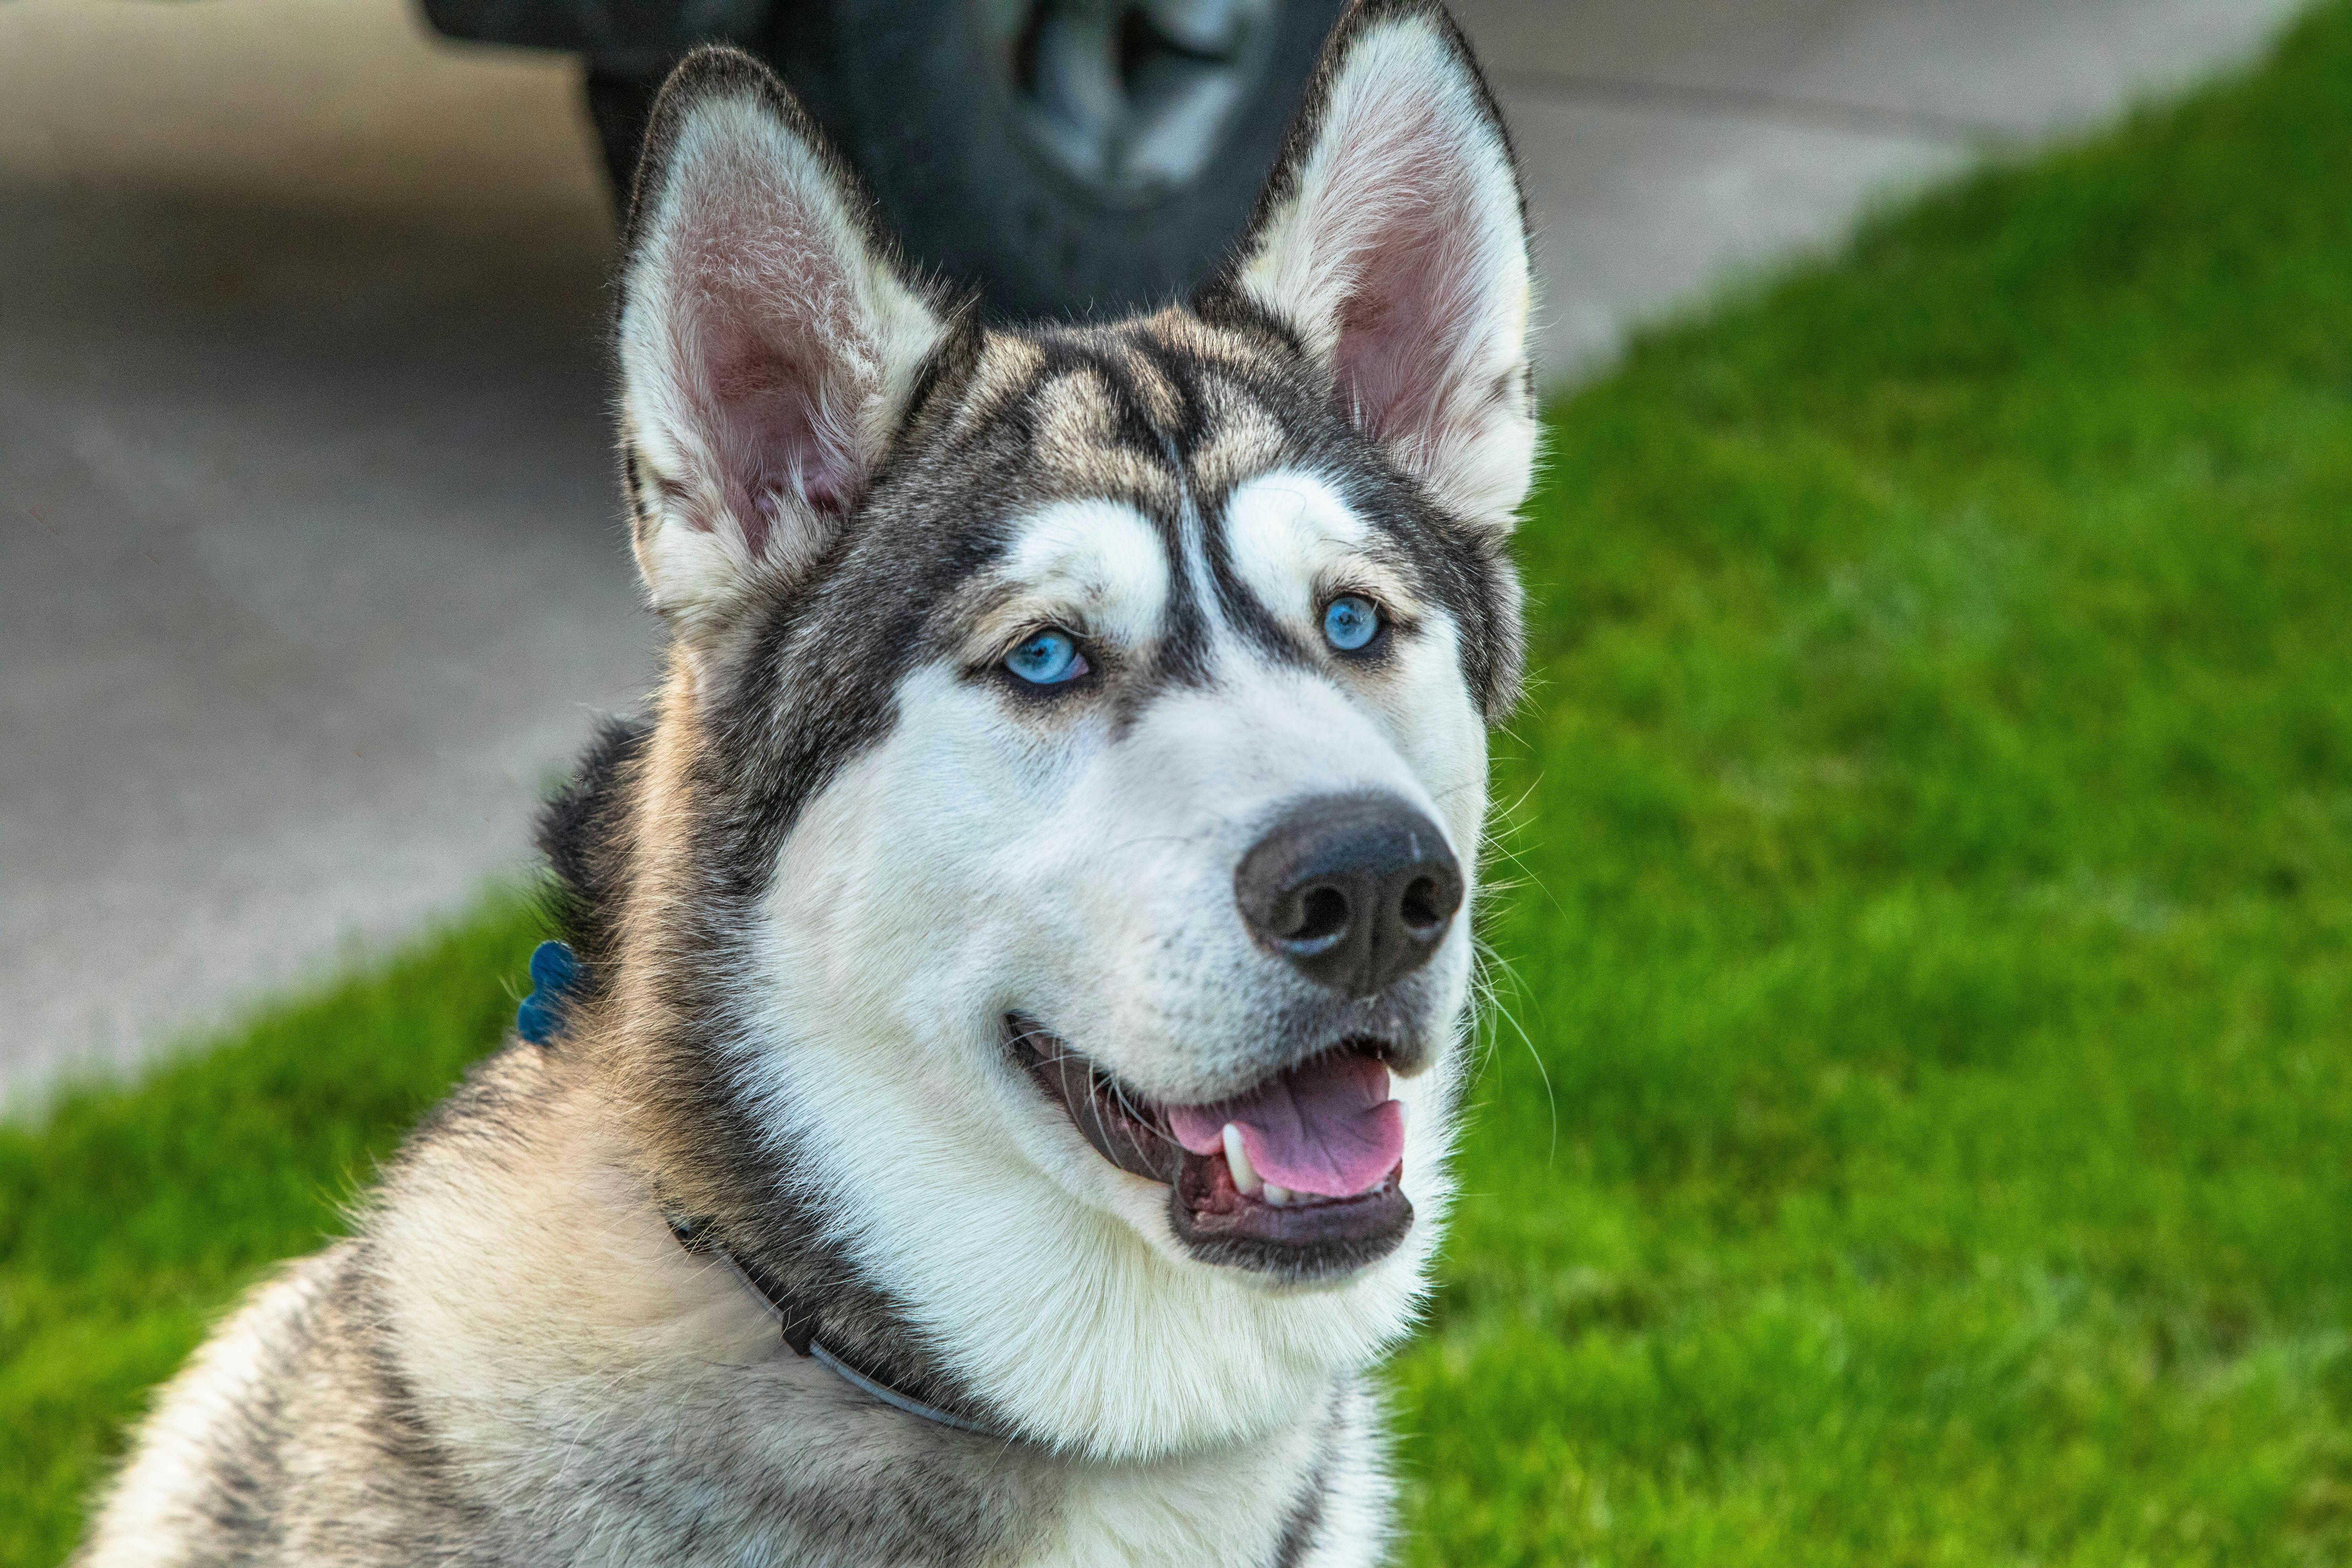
(1047,658)
(1350,622)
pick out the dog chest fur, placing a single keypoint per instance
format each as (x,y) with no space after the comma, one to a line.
(496,1373)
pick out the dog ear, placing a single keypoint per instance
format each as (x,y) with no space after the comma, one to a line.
(1392,240)
(768,339)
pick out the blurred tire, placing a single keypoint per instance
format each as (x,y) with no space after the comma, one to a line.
(619,104)
(1064,157)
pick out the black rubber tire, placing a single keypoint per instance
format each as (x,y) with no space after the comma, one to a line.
(908,93)
(619,105)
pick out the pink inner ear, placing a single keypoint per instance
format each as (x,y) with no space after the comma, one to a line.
(762,409)
(1408,323)
(1404,332)
(768,360)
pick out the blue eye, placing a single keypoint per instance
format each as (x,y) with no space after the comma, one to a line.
(1046,658)
(1350,622)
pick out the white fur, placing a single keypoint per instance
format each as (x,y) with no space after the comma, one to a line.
(1095,567)
(1407,158)
(169,1481)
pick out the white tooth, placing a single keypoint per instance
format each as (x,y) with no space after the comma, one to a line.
(1278,1197)
(1237,1161)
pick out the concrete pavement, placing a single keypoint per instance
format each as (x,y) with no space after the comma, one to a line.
(1673,144)
(309,577)
(310,571)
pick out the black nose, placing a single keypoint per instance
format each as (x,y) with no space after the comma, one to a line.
(1357,890)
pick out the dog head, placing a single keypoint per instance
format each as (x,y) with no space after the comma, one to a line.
(1054,852)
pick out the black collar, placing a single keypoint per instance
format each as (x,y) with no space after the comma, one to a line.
(796,1315)
(555,972)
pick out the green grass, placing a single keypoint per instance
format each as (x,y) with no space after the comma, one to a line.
(1931,1137)
(1938,929)
(130,1219)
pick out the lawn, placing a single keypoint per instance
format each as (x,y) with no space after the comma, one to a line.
(1922,1128)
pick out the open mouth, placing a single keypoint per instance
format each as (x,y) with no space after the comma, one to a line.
(1297,1176)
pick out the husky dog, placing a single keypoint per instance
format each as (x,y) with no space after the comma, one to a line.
(1024,952)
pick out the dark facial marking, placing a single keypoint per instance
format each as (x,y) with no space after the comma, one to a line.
(1256,624)
(1299,1530)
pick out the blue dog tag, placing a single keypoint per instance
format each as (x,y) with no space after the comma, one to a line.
(553,969)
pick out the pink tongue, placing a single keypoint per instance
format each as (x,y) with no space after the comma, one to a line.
(1330,1127)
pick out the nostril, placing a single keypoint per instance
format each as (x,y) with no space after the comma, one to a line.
(1322,918)
(1353,892)
(1424,913)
